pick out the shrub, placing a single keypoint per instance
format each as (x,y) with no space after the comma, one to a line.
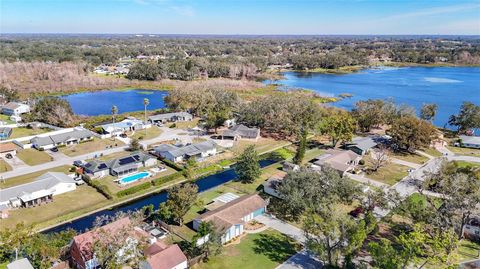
(172,164)
(173,125)
(134,189)
(103,189)
(361,162)
(163,180)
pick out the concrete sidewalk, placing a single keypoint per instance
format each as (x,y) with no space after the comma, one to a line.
(283,227)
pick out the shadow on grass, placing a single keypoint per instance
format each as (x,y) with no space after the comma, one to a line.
(276,247)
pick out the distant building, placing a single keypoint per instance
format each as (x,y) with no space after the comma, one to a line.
(5,133)
(470,141)
(20,264)
(170,117)
(198,151)
(361,145)
(241,131)
(40,191)
(75,136)
(341,160)
(15,109)
(8,148)
(472,229)
(127,125)
(118,166)
(231,217)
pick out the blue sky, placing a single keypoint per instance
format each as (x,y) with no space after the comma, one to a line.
(241,16)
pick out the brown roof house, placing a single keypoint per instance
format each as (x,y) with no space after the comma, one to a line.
(341,160)
(241,131)
(162,256)
(231,217)
(8,148)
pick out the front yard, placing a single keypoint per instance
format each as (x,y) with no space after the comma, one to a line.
(389,174)
(22,131)
(82,198)
(90,146)
(4,166)
(265,250)
(465,151)
(152,132)
(33,156)
(410,157)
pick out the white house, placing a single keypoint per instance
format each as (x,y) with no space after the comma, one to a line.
(127,125)
(15,109)
(119,166)
(470,141)
(76,136)
(231,217)
(170,117)
(37,192)
(198,151)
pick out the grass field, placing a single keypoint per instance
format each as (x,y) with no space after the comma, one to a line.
(432,152)
(389,174)
(22,131)
(4,166)
(464,164)
(83,197)
(262,145)
(465,151)
(264,250)
(152,132)
(6,119)
(184,124)
(30,177)
(413,158)
(91,146)
(33,156)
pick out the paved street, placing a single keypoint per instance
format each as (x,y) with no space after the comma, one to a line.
(301,260)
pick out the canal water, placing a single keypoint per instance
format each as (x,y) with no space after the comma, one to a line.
(204,184)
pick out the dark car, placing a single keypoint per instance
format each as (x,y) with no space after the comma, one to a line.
(123,135)
(8,156)
(54,149)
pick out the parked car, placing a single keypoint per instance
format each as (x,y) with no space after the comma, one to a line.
(54,149)
(8,156)
(123,135)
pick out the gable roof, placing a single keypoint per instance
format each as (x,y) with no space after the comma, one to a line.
(363,143)
(6,147)
(127,161)
(13,105)
(275,180)
(337,159)
(232,213)
(190,150)
(170,116)
(38,188)
(242,131)
(77,133)
(164,258)
(20,264)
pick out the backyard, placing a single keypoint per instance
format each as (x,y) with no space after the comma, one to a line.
(33,156)
(262,145)
(265,250)
(63,204)
(390,173)
(91,146)
(23,131)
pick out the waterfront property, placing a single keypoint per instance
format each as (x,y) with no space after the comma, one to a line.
(271,185)
(170,117)
(133,178)
(37,192)
(241,131)
(198,151)
(76,136)
(158,255)
(341,160)
(127,125)
(118,166)
(361,145)
(231,217)
(15,109)
(470,141)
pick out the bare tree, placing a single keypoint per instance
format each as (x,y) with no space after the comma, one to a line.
(380,157)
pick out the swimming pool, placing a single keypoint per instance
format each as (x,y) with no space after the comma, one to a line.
(133,178)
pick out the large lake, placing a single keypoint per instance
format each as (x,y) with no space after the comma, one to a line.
(448,87)
(101,102)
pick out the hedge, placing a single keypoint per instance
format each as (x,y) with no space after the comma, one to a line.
(172,164)
(163,180)
(103,189)
(134,189)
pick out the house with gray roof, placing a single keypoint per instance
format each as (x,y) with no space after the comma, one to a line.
(5,132)
(361,145)
(76,136)
(470,141)
(341,160)
(37,192)
(241,131)
(176,154)
(15,109)
(20,264)
(170,117)
(127,125)
(119,166)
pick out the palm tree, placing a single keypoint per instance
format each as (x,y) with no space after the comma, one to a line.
(114,113)
(146,102)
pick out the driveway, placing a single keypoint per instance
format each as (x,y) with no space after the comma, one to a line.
(283,227)
(303,260)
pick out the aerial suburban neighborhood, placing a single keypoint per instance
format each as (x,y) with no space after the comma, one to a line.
(234,140)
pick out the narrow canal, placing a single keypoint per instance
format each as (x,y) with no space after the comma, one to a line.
(204,184)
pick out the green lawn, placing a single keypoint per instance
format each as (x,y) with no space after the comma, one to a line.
(465,151)
(33,156)
(6,119)
(432,152)
(83,197)
(265,250)
(468,250)
(184,124)
(413,158)
(262,145)
(389,174)
(22,131)
(4,166)
(30,177)
(91,146)
(152,132)
(464,164)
